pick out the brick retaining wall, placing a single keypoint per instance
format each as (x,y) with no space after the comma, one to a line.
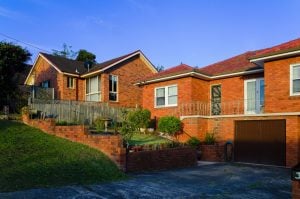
(161,159)
(111,145)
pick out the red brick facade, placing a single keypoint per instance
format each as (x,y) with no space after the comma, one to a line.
(277,86)
(128,73)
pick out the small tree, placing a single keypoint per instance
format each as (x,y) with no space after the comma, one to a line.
(66,52)
(169,125)
(86,56)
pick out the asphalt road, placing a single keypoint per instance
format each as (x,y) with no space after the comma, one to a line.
(206,181)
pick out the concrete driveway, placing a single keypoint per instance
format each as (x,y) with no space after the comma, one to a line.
(205,181)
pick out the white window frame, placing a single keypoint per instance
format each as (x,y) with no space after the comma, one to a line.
(68,82)
(166,96)
(291,80)
(113,92)
(257,97)
(92,93)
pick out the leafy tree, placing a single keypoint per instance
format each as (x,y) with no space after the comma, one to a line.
(13,60)
(159,68)
(86,56)
(66,52)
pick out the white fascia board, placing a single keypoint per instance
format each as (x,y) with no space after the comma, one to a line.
(111,65)
(201,75)
(275,56)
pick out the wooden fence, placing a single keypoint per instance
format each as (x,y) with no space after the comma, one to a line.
(75,111)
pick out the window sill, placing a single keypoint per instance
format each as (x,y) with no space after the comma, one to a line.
(158,107)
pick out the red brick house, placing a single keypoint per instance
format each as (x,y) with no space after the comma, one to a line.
(252,100)
(110,81)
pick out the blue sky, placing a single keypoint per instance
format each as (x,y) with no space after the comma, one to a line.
(169,32)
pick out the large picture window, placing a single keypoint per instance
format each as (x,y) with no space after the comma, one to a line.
(113,88)
(166,96)
(93,89)
(295,79)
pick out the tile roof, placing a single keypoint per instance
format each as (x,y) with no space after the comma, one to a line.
(70,66)
(234,64)
(182,68)
(281,48)
(109,62)
(66,65)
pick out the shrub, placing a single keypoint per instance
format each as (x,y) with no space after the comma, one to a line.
(99,124)
(210,138)
(140,118)
(65,123)
(169,125)
(194,142)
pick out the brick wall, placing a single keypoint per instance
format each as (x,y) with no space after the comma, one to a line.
(111,145)
(128,73)
(295,189)
(161,159)
(277,86)
(224,128)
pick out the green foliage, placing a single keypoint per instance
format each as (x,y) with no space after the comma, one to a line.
(169,125)
(30,159)
(194,142)
(210,138)
(99,124)
(65,123)
(159,68)
(140,118)
(85,56)
(13,60)
(66,52)
(146,139)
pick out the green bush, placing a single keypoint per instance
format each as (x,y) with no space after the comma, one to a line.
(194,142)
(169,125)
(210,138)
(99,124)
(140,118)
(65,123)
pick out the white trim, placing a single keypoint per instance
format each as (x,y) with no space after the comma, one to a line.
(242,115)
(201,75)
(166,96)
(117,93)
(148,63)
(257,95)
(291,80)
(34,65)
(92,93)
(70,74)
(275,56)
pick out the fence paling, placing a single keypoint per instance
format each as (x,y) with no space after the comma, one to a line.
(74,111)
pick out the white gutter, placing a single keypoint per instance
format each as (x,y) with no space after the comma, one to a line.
(115,63)
(201,75)
(275,56)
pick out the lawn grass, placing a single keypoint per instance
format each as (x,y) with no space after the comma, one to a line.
(146,139)
(30,158)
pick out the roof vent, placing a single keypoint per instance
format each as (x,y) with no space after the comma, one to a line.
(88,65)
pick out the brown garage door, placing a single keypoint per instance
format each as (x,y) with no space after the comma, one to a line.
(260,141)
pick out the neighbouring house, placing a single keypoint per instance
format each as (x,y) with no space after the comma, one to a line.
(111,81)
(251,100)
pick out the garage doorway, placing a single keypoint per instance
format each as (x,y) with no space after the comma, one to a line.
(260,142)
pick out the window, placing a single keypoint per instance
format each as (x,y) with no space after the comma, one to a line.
(70,82)
(45,84)
(113,88)
(254,95)
(216,99)
(93,89)
(295,79)
(166,96)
